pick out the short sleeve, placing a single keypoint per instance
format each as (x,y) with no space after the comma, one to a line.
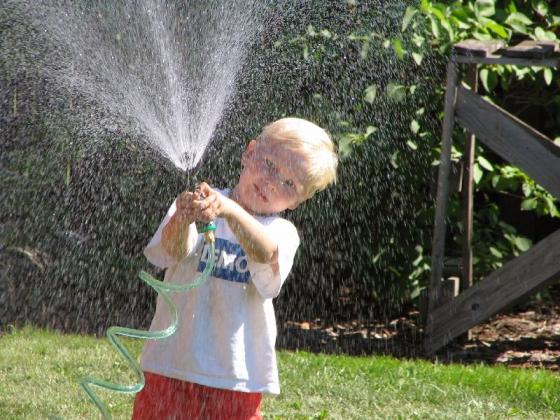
(156,254)
(268,283)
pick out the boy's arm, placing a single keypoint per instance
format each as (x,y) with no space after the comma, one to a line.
(176,233)
(252,236)
(254,239)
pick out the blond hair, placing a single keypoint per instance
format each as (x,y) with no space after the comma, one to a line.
(312,143)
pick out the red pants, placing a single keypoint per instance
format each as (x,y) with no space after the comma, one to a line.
(168,398)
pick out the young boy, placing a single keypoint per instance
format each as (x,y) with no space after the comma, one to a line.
(222,358)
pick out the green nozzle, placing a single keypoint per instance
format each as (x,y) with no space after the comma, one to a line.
(207,227)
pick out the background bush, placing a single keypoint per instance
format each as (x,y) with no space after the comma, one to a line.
(75,214)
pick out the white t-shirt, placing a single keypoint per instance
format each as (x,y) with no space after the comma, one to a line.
(227,329)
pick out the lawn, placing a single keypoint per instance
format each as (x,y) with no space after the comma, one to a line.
(39,370)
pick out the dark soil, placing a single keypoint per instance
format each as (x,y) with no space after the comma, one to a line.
(527,336)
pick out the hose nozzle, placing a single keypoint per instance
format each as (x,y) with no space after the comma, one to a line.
(208,230)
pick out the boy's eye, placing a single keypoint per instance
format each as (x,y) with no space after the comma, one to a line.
(269,163)
(289,183)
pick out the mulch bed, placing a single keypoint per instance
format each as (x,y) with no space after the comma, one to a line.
(528,336)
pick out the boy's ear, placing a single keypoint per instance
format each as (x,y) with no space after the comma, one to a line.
(248,152)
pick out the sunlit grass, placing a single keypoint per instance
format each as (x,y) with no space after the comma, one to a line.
(39,372)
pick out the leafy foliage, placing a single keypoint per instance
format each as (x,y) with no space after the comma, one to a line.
(436,26)
(373,77)
(428,32)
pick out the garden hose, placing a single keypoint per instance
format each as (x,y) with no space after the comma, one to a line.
(113,333)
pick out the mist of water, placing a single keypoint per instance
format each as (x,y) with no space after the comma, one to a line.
(166,69)
(164,75)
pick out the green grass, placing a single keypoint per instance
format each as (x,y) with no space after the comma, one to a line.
(39,371)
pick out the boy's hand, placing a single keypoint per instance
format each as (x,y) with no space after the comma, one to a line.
(209,204)
(186,207)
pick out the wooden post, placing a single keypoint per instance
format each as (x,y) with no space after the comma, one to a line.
(520,145)
(438,244)
(467,190)
(468,199)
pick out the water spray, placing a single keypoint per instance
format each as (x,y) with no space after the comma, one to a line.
(114,332)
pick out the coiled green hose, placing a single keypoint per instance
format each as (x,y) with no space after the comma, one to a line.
(113,332)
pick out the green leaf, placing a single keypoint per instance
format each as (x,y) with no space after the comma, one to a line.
(393,160)
(439,14)
(418,40)
(489,79)
(551,205)
(398,48)
(482,161)
(542,35)
(547,73)
(345,147)
(523,244)
(477,173)
(458,23)
(417,57)
(370,93)
(527,189)
(496,252)
(482,36)
(414,126)
(519,27)
(370,130)
(412,145)
(518,17)
(496,180)
(364,50)
(377,256)
(306,52)
(497,29)
(484,8)
(396,92)
(325,33)
(511,7)
(541,7)
(408,15)
(434,24)
(529,204)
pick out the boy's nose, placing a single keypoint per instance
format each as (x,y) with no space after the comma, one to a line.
(270,185)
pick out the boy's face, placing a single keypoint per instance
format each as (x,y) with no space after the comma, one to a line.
(272,179)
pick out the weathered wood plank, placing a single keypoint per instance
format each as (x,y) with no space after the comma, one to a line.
(468,194)
(511,138)
(526,274)
(477,48)
(514,61)
(530,49)
(438,241)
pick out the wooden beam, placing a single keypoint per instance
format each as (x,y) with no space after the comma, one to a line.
(530,49)
(478,48)
(511,138)
(514,61)
(526,274)
(438,241)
